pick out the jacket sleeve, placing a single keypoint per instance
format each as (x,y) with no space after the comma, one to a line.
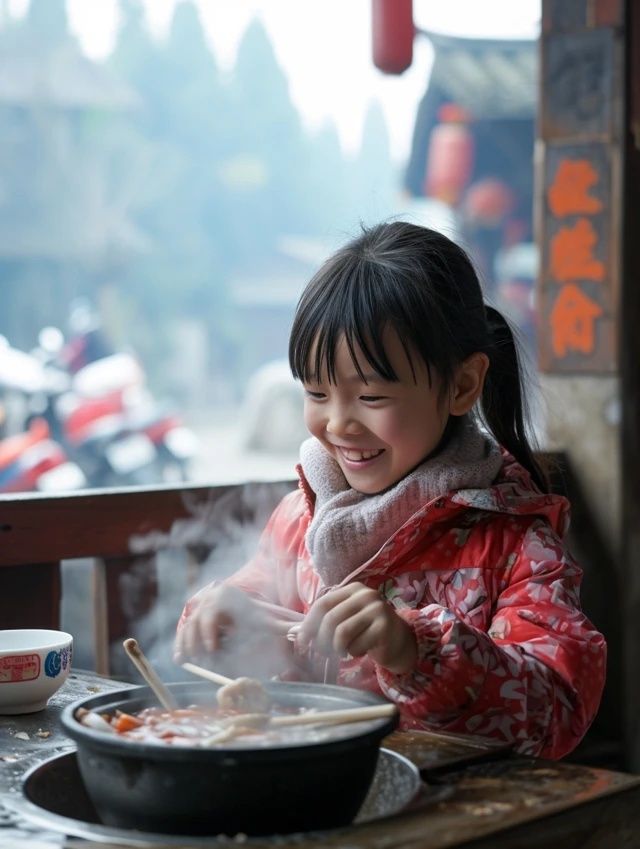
(535,679)
(270,575)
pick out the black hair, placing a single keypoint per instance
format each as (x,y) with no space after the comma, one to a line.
(424,286)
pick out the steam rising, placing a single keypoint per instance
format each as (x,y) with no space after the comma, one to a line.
(220,535)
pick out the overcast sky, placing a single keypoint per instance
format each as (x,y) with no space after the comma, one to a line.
(324,47)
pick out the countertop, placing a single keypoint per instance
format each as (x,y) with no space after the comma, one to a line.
(493,798)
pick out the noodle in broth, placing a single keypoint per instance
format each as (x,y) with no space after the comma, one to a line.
(208,726)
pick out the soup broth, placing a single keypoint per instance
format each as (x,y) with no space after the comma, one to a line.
(209,726)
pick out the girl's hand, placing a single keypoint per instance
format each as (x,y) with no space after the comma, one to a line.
(217,613)
(355,620)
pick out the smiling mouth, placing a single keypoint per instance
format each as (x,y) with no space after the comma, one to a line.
(352,455)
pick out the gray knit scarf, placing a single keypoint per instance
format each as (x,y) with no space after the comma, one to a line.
(349,527)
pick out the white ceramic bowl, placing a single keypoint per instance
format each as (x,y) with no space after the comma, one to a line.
(34,663)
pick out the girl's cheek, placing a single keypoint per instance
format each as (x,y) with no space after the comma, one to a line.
(389,428)
(311,420)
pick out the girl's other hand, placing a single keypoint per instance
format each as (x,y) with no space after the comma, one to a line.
(355,620)
(216,614)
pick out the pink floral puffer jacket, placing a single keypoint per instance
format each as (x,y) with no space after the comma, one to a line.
(492,594)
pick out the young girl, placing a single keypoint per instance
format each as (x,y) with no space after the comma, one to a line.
(422,550)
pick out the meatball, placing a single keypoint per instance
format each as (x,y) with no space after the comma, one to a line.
(244,694)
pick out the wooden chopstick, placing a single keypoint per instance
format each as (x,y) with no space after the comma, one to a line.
(325,717)
(279,612)
(207,673)
(137,657)
(335,717)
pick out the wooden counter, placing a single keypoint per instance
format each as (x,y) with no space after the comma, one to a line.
(493,799)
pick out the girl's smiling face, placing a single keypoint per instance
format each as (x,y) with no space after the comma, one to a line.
(377,430)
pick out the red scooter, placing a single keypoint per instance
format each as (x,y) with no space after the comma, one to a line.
(30,459)
(33,461)
(113,427)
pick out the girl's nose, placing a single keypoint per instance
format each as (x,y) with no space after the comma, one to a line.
(340,421)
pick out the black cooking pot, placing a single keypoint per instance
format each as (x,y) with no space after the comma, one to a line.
(230,789)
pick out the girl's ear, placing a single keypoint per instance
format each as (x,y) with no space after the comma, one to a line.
(468,383)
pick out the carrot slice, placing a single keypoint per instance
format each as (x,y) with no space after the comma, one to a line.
(125,722)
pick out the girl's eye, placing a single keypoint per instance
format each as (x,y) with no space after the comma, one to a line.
(316,396)
(372,398)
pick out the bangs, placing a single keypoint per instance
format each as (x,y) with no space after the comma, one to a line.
(355,298)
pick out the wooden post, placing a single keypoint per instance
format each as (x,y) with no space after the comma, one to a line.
(630,393)
(589,225)
(100,617)
(125,592)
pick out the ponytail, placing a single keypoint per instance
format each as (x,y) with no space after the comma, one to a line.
(503,406)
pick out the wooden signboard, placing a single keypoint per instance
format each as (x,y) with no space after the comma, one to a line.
(578,286)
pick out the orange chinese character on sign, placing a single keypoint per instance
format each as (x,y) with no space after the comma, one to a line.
(572,253)
(569,192)
(573,319)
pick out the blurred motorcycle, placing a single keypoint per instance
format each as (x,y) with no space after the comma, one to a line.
(110,422)
(33,461)
(29,459)
(87,340)
(100,415)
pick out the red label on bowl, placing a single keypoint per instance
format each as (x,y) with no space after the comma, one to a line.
(19,667)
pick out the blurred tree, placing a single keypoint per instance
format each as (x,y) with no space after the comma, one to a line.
(327,184)
(375,182)
(178,145)
(267,133)
(47,21)
(60,227)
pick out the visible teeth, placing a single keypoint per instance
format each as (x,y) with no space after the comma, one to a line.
(360,455)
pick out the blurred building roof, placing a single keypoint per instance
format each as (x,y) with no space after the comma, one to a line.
(53,203)
(495,81)
(491,78)
(63,77)
(101,236)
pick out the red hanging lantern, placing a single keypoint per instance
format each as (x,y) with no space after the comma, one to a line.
(392,33)
(450,155)
(489,201)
